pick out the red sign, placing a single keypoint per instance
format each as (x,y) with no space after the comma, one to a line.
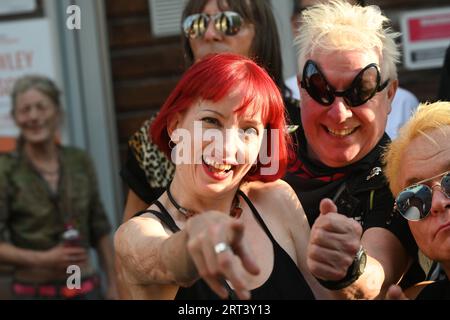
(430,27)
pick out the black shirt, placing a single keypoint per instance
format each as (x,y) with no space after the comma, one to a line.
(285,281)
(359,190)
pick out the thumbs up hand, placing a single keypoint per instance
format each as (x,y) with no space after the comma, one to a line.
(335,239)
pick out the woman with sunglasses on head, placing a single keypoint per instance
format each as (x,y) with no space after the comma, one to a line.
(418,170)
(347,82)
(209,26)
(225,227)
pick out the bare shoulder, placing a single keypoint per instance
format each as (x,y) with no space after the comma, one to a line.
(277,193)
(279,197)
(277,190)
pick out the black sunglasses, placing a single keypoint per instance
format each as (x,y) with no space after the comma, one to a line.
(414,202)
(228,23)
(365,85)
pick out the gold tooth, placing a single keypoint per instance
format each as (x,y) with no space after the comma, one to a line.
(216,165)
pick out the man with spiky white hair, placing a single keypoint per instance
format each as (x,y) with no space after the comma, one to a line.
(348,78)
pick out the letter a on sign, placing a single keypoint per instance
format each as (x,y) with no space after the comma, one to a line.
(74,20)
(74,280)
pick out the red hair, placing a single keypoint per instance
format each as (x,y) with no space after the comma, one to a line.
(212,79)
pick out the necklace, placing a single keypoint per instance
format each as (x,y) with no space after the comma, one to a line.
(235,211)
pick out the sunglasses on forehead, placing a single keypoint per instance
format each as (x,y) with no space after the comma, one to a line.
(364,86)
(228,23)
(414,202)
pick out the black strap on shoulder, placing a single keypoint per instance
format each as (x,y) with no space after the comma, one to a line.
(257,216)
(164,216)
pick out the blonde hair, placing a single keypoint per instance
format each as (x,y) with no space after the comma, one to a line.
(338,25)
(427,117)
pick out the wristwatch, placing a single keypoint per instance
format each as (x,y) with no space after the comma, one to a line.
(355,270)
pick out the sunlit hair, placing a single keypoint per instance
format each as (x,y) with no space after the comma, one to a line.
(426,118)
(340,26)
(298,6)
(213,78)
(41,83)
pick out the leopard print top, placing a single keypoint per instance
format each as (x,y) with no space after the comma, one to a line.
(158,169)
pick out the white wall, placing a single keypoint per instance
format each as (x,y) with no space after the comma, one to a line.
(283,12)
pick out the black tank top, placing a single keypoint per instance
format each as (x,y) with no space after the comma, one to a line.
(285,281)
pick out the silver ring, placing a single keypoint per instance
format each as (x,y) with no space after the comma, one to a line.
(221,247)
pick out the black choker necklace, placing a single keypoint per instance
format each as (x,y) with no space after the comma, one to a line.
(235,211)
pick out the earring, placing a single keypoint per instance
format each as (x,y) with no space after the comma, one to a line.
(173,145)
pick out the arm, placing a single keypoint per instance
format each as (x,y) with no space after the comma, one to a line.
(147,253)
(105,252)
(335,239)
(57,257)
(19,257)
(148,256)
(386,264)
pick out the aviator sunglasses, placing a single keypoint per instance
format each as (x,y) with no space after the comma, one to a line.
(228,23)
(414,202)
(365,85)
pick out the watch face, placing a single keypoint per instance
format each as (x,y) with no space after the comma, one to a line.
(362,262)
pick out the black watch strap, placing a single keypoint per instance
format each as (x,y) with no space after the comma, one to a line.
(354,271)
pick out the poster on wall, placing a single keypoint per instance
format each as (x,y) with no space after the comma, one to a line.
(25,48)
(9,7)
(426,36)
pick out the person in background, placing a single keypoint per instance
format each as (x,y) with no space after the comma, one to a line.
(209,26)
(404,102)
(348,78)
(50,208)
(418,170)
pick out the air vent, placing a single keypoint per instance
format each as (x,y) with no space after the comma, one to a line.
(166,17)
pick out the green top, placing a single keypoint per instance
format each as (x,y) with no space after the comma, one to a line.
(33,217)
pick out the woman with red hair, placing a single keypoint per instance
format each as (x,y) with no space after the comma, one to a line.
(226,226)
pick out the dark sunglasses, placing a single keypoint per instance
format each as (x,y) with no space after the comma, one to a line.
(228,23)
(365,85)
(414,202)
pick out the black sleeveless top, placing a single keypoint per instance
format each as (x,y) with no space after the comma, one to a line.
(285,281)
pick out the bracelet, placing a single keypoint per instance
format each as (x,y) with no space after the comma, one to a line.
(354,271)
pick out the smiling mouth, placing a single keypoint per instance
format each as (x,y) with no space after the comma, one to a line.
(217,168)
(341,133)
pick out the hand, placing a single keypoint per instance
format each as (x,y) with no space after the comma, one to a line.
(61,257)
(395,293)
(335,239)
(207,230)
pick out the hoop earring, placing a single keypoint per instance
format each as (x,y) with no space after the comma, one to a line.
(173,145)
